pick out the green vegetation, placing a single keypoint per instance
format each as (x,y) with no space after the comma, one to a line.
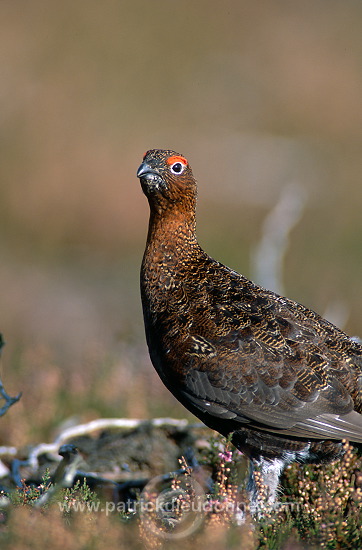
(321,507)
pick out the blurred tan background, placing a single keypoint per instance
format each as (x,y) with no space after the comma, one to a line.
(257,95)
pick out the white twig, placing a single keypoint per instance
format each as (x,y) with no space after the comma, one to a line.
(94,425)
(8,451)
(267,259)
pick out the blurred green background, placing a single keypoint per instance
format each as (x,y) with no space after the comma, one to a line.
(257,95)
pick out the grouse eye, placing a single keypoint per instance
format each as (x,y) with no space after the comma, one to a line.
(177,168)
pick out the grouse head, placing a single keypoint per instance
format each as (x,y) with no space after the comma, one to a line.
(166,179)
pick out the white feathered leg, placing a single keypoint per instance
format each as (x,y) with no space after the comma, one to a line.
(263,484)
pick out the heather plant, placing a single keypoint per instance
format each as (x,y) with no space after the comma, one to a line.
(320,507)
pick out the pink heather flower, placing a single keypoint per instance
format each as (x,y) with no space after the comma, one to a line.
(226,456)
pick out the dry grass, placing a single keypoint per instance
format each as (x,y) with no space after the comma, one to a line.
(320,508)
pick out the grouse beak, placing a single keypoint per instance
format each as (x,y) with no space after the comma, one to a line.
(151,180)
(145,169)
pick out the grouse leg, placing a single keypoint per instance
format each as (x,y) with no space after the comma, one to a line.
(263,484)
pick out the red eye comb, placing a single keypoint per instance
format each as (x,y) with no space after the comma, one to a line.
(176,158)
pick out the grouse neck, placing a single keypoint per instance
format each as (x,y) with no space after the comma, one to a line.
(171,232)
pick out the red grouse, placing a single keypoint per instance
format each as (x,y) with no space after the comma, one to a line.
(286,383)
